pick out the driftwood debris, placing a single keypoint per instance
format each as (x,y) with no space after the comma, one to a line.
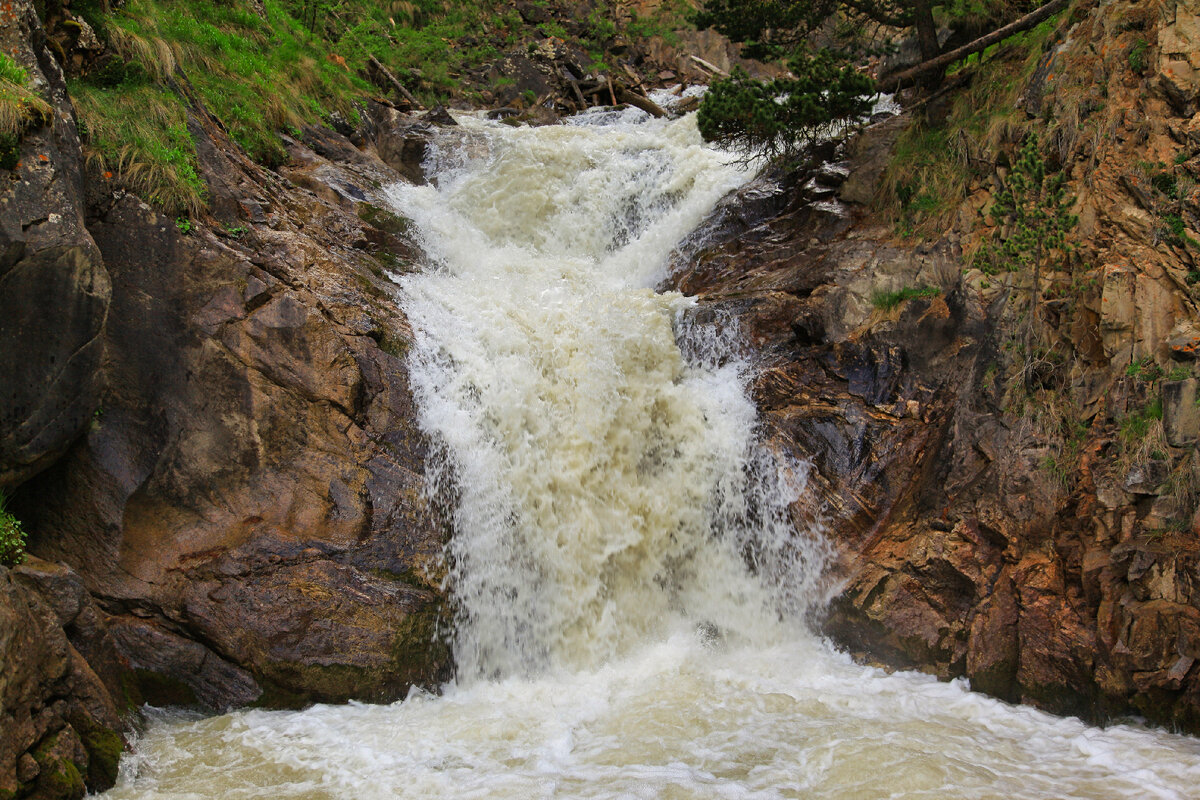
(639,101)
(617,93)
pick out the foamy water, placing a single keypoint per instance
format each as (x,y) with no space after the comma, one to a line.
(630,584)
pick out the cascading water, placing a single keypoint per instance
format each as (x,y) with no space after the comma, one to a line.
(605,486)
(629,582)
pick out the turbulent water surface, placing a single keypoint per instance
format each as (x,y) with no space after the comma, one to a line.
(630,585)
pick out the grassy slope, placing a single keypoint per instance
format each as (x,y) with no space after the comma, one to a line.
(934,165)
(300,61)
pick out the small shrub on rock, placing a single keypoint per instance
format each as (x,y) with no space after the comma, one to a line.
(12,537)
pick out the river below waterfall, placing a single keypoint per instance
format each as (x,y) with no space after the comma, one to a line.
(631,583)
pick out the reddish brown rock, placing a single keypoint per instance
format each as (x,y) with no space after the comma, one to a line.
(250,507)
(993,519)
(243,518)
(60,722)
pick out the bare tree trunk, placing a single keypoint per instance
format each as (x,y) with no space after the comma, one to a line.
(926,29)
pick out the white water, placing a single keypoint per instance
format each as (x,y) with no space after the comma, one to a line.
(609,495)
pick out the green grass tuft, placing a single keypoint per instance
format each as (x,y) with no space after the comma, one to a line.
(933,165)
(138,134)
(1135,426)
(20,109)
(887,301)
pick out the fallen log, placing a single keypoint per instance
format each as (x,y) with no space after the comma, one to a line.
(894,81)
(387,77)
(638,101)
(715,70)
(578,93)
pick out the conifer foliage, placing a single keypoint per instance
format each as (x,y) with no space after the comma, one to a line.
(1033,216)
(12,536)
(1032,212)
(785,116)
(766,26)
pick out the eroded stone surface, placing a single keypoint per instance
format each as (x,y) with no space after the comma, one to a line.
(1021,521)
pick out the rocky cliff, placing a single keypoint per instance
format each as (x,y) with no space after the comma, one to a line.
(1011,482)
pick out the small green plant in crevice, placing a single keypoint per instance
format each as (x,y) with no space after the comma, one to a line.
(1135,426)
(1141,441)
(1059,468)
(1054,421)
(11,71)
(1179,373)
(1183,486)
(1033,217)
(1174,230)
(1144,369)
(12,536)
(184,225)
(20,110)
(887,301)
(1163,190)
(1137,55)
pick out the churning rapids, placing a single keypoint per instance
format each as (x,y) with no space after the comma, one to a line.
(630,585)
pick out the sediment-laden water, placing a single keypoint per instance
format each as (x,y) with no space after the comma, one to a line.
(630,586)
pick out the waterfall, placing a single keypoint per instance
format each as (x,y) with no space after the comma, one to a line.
(629,582)
(606,486)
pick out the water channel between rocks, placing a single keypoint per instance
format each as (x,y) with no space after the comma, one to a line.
(630,585)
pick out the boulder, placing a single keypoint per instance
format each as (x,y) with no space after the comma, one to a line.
(1181,414)
(869,154)
(61,725)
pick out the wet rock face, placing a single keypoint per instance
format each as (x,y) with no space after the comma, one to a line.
(250,505)
(234,494)
(975,539)
(54,290)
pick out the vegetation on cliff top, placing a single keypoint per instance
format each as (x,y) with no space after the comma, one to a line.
(20,109)
(788,115)
(260,72)
(940,155)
